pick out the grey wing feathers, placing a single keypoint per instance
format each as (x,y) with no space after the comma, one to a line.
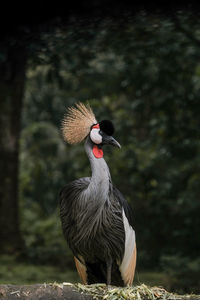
(73,189)
(68,196)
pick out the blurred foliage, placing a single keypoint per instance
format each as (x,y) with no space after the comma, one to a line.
(144,75)
(17,272)
(182,273)
(13,271)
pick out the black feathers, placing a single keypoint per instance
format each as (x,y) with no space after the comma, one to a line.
(107,127)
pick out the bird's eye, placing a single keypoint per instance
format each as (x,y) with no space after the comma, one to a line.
(95,136)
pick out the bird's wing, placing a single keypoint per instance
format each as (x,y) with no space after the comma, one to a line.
(124,204)
(81,268)
(71,190)
(69,196)
(128,264)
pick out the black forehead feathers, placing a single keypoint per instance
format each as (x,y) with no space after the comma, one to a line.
(107,127)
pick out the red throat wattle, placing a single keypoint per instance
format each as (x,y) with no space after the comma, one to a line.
(98,153)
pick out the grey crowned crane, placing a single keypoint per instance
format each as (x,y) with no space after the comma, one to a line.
(96,219)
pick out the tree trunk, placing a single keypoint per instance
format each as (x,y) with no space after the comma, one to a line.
(72,292)
(12,78)
(41,291)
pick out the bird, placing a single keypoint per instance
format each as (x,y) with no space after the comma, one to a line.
(97,221)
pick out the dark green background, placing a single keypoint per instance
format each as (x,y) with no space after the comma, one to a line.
(143,73)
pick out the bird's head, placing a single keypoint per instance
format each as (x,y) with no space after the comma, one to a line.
(80,122)
(101,134)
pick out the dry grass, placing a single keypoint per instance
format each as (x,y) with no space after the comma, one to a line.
(140,292)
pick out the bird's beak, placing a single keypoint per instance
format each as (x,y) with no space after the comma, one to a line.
(109,140)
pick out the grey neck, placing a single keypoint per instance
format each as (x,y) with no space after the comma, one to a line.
(100,179)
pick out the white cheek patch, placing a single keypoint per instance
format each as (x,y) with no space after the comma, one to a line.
(95,136)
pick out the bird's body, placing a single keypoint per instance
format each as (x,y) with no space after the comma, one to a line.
(97,225)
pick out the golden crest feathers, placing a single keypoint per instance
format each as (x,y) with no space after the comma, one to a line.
(77,123)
